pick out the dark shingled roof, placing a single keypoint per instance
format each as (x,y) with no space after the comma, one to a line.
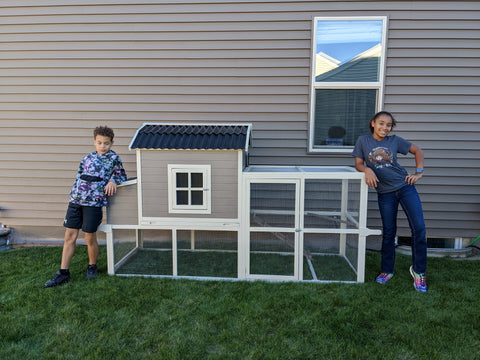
(193,137)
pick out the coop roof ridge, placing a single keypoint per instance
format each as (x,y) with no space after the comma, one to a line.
(193,136)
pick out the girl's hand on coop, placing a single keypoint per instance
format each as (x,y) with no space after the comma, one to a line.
(370,178)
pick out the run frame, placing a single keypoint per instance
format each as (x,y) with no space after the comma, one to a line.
(266,174)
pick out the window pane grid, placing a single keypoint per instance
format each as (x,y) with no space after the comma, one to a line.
(187,189)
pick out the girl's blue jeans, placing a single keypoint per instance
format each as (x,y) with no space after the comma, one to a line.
(408,198)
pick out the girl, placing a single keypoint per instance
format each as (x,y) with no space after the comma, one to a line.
(376,156)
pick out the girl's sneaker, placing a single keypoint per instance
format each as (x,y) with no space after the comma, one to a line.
(383,278)
(420,281)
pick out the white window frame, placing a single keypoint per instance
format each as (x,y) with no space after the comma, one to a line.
(173,207)
(378,85)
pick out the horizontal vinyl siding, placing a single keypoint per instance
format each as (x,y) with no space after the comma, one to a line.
(433,87)
(68,66)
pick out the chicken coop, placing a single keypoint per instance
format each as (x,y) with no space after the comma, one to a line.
(198,210)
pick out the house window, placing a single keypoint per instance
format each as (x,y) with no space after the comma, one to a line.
(189,189)
(347,80)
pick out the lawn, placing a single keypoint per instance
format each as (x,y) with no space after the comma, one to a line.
(146,318)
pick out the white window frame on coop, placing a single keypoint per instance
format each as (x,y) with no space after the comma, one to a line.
(173,206)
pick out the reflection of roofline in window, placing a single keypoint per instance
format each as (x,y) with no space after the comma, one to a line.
(368,61)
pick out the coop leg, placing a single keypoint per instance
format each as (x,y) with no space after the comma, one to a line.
(139,238)
(192,239)
(361,258)
(110,251)
(174,252)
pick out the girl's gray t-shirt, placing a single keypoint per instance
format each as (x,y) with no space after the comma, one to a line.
(381,157)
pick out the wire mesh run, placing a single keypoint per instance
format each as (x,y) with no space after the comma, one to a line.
(197,253)
(306,229)
(294,224)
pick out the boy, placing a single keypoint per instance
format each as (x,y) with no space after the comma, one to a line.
(98,175)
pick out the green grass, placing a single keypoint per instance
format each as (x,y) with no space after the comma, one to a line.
(145,318)
(212,263)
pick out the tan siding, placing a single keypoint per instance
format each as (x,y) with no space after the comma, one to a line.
(68,66)
(224,181)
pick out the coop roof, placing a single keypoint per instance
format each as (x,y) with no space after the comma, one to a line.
(192,136)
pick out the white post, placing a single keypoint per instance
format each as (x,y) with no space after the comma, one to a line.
(243,232)
(362,227)
(343,217)
(139,238)
(361,259)
(174,252)
(299,225)
(139,187)
(192,239)
(110,251)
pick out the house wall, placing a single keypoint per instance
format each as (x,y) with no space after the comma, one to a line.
(224,181)
(67,66)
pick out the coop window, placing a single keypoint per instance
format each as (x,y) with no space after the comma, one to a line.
(189,189)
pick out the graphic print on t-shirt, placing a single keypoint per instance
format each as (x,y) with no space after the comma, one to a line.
(380,157)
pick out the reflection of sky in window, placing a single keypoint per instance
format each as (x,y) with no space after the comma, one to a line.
(345,39)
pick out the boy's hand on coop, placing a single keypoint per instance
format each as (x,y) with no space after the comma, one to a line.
(111,188)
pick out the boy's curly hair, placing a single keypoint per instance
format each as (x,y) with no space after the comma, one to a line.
(103,131)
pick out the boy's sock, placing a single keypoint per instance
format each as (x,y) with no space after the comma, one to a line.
(64,271)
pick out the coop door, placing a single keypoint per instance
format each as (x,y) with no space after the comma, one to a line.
(273,244)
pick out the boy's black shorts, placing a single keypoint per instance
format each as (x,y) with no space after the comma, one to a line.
(87,218)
